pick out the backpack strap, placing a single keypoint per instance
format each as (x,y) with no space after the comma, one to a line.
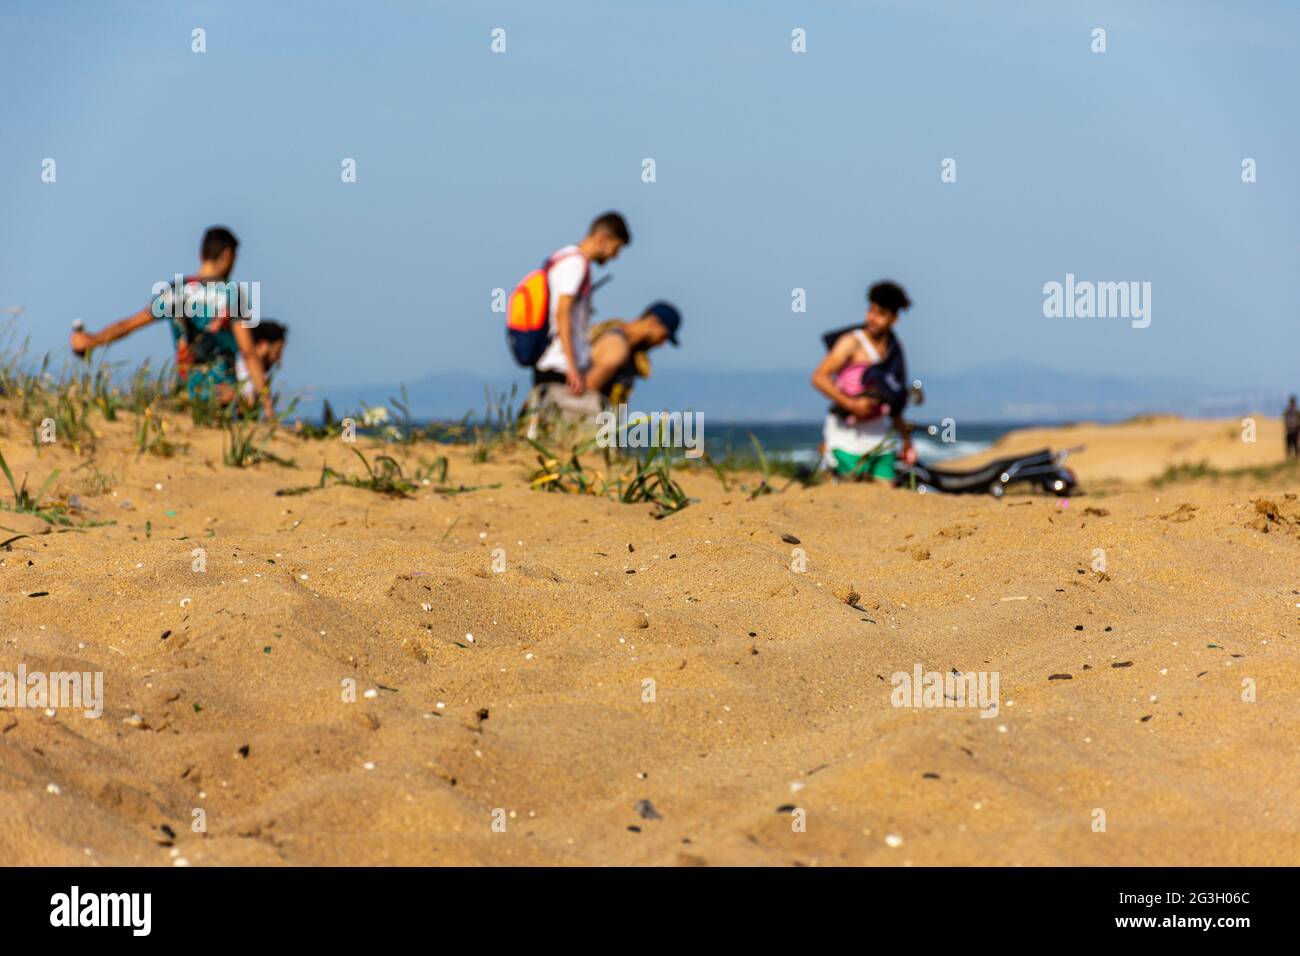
(552,259)
(870,349)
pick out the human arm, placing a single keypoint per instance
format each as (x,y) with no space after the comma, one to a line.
(904,430)
(566,276)
(823,379)
(564,329)
(83,342)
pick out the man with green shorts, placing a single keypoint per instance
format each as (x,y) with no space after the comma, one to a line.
(864,375)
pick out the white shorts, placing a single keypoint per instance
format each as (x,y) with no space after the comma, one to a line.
(858,439)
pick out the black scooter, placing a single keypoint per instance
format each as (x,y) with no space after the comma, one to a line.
(1043,468)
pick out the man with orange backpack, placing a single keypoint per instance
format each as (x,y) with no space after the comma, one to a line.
(548,320)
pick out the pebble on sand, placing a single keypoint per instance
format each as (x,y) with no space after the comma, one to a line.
(848,595)
(647,810)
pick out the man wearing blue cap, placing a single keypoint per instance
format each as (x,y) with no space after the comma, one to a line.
(619,350)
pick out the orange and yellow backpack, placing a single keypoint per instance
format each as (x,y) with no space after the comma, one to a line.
(528,313)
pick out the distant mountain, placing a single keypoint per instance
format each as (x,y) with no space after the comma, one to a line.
(1004,392)
(1017,392)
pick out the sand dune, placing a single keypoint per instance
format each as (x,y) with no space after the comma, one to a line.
(1120,691)
(1144,448)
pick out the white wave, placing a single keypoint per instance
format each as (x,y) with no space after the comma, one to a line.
(928,449)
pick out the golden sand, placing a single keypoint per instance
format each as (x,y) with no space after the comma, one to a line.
(770,738)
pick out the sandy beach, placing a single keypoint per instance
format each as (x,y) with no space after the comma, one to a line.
(553,679)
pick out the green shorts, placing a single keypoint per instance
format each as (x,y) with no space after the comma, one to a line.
(875,464)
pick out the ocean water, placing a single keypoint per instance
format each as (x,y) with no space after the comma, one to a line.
(799,441)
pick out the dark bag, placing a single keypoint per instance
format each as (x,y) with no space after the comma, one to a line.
(886,381)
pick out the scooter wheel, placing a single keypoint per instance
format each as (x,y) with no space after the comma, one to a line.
(997,489)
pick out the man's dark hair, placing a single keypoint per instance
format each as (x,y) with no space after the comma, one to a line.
(614,224)
(216,241)
(269,330)
(889,296)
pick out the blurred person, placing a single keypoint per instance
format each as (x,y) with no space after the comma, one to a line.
(620,350)
(206,313)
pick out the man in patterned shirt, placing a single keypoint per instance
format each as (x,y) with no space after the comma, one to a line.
(209,318)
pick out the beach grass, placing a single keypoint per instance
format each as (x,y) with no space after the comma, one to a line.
(1184,472)
(66,407)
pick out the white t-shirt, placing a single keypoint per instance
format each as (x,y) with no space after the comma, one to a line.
(569,275)
(246,388)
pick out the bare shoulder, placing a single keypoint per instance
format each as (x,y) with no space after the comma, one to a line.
(848,347)
(610,345)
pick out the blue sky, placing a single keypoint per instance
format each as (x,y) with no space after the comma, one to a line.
(775,170)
